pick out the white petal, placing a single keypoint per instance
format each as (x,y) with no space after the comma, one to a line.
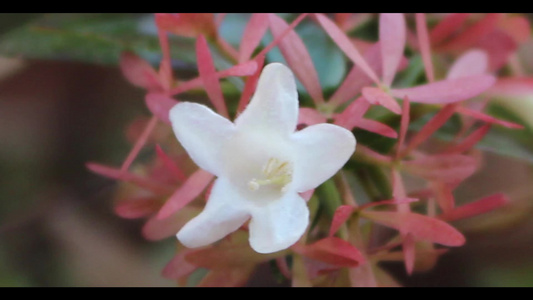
(274,105)
(322,150)
(279,224)
(223,214)
(202,133)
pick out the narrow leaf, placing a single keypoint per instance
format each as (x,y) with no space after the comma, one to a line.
(332,250)
(392,40)
(342,213)
(447,168)
(475,208)
(160,105)
(377,96)
(425,45)
(253,33)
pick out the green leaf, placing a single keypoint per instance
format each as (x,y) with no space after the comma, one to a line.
(92,38)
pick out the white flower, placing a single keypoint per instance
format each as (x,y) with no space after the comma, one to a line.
(261,162)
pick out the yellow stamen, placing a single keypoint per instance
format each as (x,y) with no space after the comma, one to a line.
(276,173)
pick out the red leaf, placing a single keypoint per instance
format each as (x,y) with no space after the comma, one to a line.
(489,119)
(139,72)
(332,250)
(137,207)
(170,164)
(190,189)
(447,91)
(250,85)
(392,40)
(160,105)
(447,26)
(445,168)
(470,141)
(420,226)
(342,213)
(424,44)
(253,33)
(473,62)
(297,57)
(206,68)
(352,113)
(178,267)
(378,97)
(377,127)
(342,40)
(473,34)
(475,208)
(356,78)
(310,116)
(139,143)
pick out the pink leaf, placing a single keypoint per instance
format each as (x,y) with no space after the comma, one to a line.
(392,40)
(277,39)
(139,72)
(209,77)
(500,47)
(253,33)
(408,247)
(377,127)
(447,168)
(190,189)
(250,85)
(137,208)
(297,57)
(378,97)
(114,173)
(310,116)
(160,105)
(512,87)
(404,125)
(178,267)
(352,113)
(447,91)
(243,69)
(420,226)
(473,34)
(424,44)
(435,123)
(489,119)
(141,141)
(342,213)
(340,38)
(156,229)
(332,250)
(170,164)
(473,62)
(470,141)
(444,195)
(388,202)
(475,208)
(356,78)
(447,27)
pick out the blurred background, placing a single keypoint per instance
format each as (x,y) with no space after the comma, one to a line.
(57,226)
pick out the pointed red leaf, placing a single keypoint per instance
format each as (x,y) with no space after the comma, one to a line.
(500,46)
(297,57)
(156,229)
(137,207)
(392,40)
(512,87)
(420,226)
(277,39)
(376,127)
(475,208)
(114,173)
(447,27)
(178,267)
(352,113)
(170,164)
(250,85)
(139,72)
(446,168)
(489,119)
(243,69)
(473,62)
(404,125)
(470,141)
(433,125)
(424,44)
(253,33)
(160,105)
(332,250)
(473,34)
(342,213)
(388,202)
(377,96)
(408,248)
(444,195)
(190,189)
(141,141)
(356,78)
(447,91)
(310,116)
(517,27)
(342,40)
(206,68)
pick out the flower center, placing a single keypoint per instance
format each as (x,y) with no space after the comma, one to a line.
(276,172)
